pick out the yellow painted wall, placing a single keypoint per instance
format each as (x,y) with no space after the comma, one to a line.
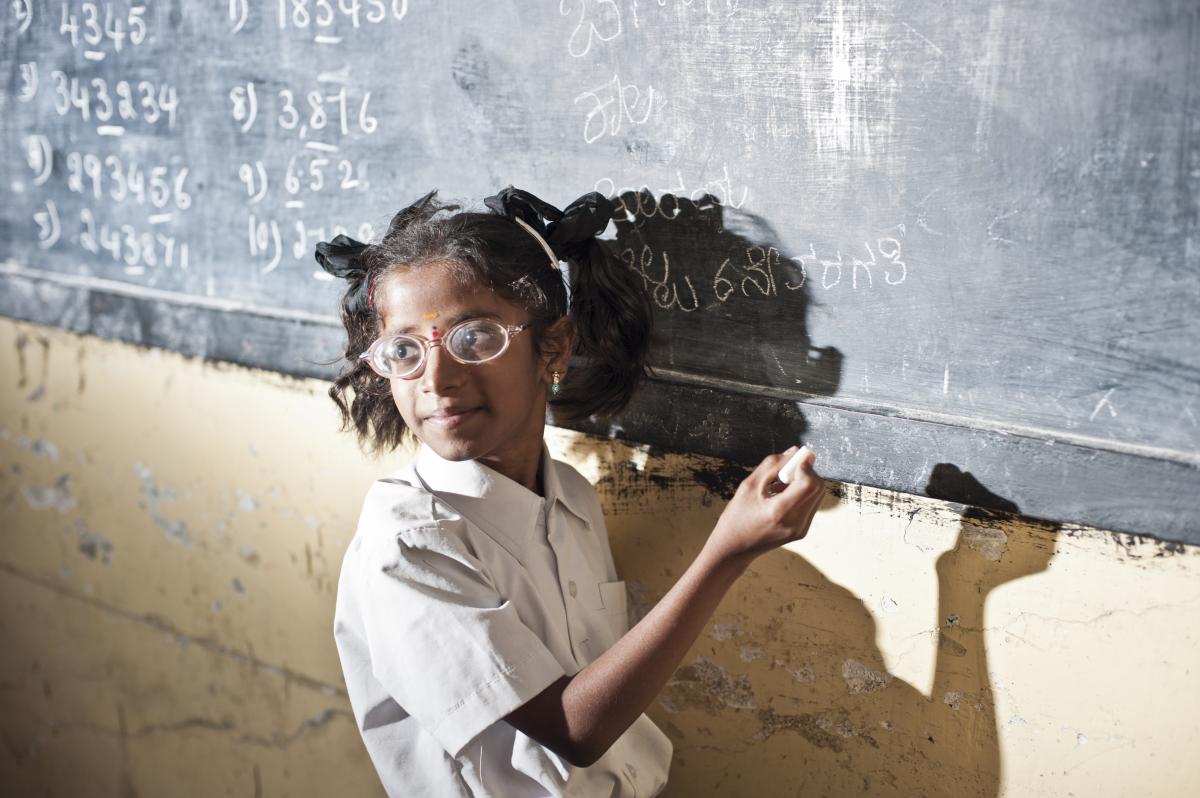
(170,537)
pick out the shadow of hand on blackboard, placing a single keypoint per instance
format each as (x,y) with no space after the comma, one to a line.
(843,723)
(727,303)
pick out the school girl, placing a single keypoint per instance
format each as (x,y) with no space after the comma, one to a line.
(480,621)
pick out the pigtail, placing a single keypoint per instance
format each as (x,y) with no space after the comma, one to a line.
(608,302)
(614,321)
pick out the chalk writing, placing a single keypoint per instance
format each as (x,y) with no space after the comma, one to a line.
(267,243)
(40,157)
(121,181)
(644,202)
(758,271)
(137,249)
(29,81)
(722,8)
(598,21)
(312,177)
(23,14)
(245,105)
(663,290)
(613,104)
(117,28)
(313,112)
(323,14)
(761,272)
(142,101)
(49,226)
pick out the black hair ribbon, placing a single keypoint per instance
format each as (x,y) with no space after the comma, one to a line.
(339,257)
(569,231)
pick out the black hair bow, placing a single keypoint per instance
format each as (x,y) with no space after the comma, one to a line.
(339,257)
(569,231)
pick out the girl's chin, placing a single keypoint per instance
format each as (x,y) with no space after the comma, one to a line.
(450,446)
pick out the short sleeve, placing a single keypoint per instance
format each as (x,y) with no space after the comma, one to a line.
(442,640)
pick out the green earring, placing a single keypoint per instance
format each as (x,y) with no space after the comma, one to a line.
(554,386)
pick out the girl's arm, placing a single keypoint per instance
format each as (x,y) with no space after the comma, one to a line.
(579,717)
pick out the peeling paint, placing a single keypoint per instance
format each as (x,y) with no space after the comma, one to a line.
(174,530)
(952,698)
(706,685)
(51,497)
(1137,547)
(751,653)
(638,457)
(808,725)
(988,541)
(247,502)
(724,631)
(640,602)
(39,446)
(93,545)
(951,647)
(861,679)
(804,674)
(45,448)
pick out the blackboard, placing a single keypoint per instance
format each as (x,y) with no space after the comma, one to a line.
(950,245)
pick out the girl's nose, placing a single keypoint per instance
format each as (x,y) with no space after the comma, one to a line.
(441,372)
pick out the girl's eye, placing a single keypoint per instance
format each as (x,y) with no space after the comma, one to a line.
(477,341)
(402,351)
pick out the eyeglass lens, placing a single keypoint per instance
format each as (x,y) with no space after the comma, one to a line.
(474,341)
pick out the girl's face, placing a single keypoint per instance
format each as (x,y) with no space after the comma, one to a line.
(493,411)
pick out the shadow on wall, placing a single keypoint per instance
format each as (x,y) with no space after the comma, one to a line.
(814,710)
(826,718)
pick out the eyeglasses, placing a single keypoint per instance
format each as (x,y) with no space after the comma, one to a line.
(472,341)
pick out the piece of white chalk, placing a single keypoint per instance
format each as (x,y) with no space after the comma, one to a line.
(789,469)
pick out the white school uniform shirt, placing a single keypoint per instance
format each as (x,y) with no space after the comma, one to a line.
(463,595)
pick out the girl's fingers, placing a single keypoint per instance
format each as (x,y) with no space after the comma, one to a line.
(765,474)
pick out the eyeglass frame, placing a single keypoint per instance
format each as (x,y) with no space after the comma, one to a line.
(510,330)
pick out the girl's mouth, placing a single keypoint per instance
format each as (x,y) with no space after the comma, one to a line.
(449,418)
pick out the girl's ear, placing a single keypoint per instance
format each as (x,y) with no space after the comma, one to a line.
(556,345)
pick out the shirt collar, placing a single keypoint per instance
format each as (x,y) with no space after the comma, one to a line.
(504,509)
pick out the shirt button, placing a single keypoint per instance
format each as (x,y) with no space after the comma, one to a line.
(574,590)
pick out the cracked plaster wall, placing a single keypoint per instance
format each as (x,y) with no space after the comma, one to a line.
(172,532)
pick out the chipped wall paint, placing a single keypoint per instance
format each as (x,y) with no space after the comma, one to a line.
(167,603)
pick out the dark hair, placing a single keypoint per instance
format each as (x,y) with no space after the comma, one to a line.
(612,312)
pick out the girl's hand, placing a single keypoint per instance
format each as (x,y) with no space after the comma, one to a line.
(765,513)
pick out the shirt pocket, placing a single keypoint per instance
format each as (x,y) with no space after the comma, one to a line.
(615,601)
